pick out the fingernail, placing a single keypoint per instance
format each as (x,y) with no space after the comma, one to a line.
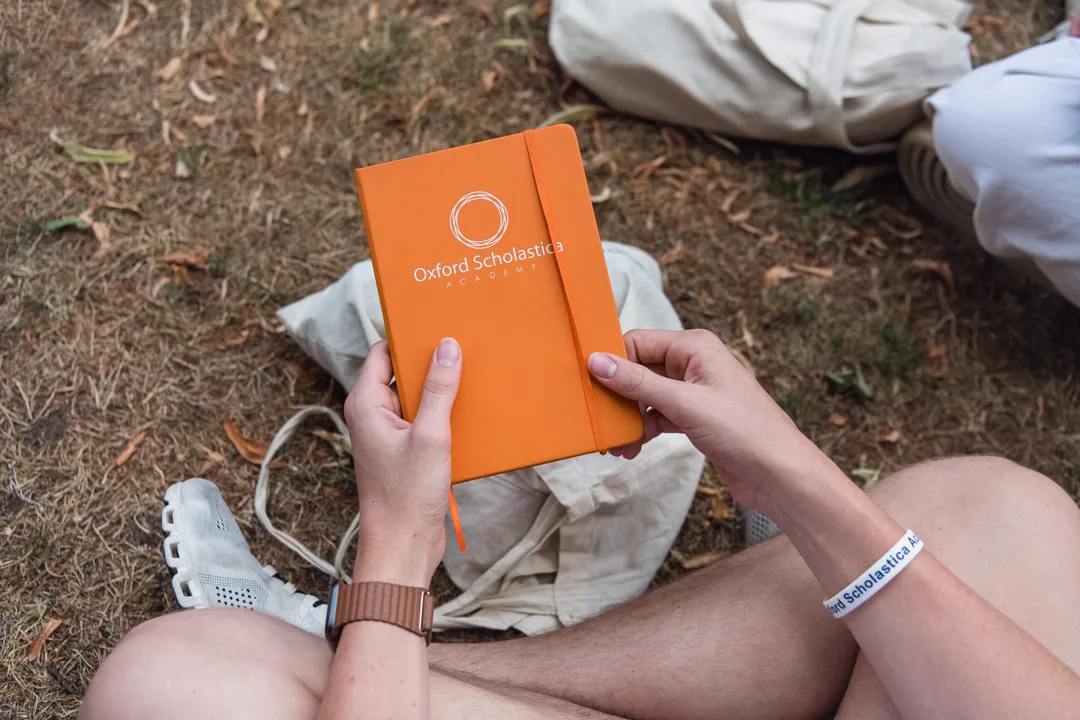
(601,365)
(448,353)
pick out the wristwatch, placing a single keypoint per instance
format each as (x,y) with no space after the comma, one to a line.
(409,608)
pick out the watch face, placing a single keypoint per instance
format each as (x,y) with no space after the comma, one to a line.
(331,612)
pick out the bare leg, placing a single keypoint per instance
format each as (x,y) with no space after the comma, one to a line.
(747,638)
(750,637)
(238,664)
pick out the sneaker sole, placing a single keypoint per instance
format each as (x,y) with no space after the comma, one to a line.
(928,182)
(187,588)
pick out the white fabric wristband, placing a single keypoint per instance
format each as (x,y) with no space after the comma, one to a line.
(877,577)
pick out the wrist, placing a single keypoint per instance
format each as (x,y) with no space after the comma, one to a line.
(408,561)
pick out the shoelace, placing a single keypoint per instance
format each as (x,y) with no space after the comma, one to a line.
(275,578)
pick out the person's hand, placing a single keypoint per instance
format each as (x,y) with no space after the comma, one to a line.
(691,384)
(402,469)
(1074,28)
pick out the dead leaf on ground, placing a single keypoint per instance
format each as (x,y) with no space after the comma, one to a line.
(129,449)
(182,276)
(740,217)
(937,361)
(487,78)
(224,51)
(172,67)
(892,438)
(159,285)
(340,444)
(284,152)
(861,174)
(747,336)
(303,109)
(81,153)
(602,197)
(699,561)
(267,63)
(305,379)
(776,274)
(979,25)
(645,170)
(897,223)
(573,114)
(233,339)
(203,121)
(485,11)
(436,92)
(260,103)
(837,419)
(200,94)
(720,509)
(123,26)
(189,258)
(811,270)
(212,459)
(672,254)
(729,201)
(38,644)
(114,205)
(103,235)
(772,237)
(940,268)
(540,8)
(252,451)
(444,19)
(874,241)
(255,16)
(373,11)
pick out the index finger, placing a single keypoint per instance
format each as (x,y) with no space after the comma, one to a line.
(649,347)
(377,369)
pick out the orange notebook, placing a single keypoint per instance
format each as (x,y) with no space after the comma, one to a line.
(495,244)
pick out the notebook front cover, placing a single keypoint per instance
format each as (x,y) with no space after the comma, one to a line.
(461,248)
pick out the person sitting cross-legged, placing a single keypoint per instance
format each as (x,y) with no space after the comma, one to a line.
(970,615)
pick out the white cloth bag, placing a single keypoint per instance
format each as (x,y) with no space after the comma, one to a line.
(549,545)
(849,74)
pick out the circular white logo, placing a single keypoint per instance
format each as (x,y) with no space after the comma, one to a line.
(504,220)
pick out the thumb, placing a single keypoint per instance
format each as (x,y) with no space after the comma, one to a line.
(440,388)
(632,380)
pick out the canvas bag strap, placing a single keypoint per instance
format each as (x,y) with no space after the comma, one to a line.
(560,234)
(262,497)
(828,68)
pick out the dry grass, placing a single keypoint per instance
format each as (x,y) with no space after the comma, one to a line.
(95,349)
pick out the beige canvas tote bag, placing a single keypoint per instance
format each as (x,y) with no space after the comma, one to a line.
(850,74)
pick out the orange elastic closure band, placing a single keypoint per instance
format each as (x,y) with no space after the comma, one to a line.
(535,161)
(457,523)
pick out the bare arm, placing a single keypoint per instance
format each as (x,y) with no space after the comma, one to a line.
(940,650)
(380,671)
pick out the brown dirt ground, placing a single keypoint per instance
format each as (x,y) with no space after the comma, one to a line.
(96,348)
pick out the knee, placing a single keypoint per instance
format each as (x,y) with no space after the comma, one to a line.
(137,675)
(978,127)
(978,493)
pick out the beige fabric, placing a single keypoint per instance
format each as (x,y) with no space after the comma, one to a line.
(844,73)
(549,545)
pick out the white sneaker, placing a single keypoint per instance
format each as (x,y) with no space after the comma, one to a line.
(758,527)
(212,565)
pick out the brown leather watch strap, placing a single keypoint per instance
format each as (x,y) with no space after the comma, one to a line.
(410,608)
